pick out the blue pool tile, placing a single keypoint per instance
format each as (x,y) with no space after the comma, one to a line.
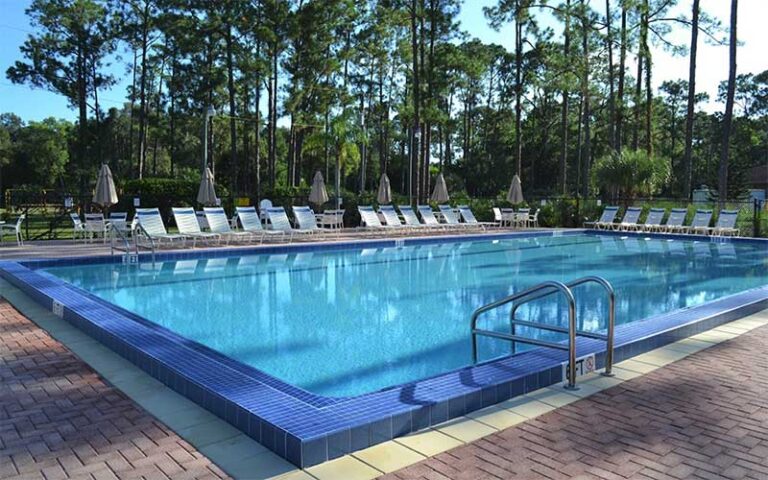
(360,438)
(314,451)
(381,431)
(339,444)
(401,424)
(438,413)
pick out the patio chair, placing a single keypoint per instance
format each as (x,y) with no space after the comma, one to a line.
(78,227)
(332,219)
(533,219)
(497,218)
(119,220)
(508,217)
(250,221)
(469,217)
(150,228)
(606,219)
(653,220)
(726,224)
(452,219)
(305,219)
(186,222)
(279,221)
(675,221)
(14,229)
(520,217)
(95,225)
(219,223)
(428,217)
(629,222)
(700,222)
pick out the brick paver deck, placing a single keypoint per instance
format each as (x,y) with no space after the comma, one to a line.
(705,416)
(59,419)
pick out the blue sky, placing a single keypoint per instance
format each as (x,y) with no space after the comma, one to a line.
(34,104)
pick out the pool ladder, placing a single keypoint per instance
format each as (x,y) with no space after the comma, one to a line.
(542,290)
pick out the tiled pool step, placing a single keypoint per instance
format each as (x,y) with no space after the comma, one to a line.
(242,457)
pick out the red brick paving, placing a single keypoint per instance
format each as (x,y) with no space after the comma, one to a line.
(59,419)
(703,417)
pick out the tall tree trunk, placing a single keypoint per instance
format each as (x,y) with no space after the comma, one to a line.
(518,90)
(133,107)
(257,133)
(687,160)
(648,89)
(232,93)
(415,146)
(172,115)
(563,176)
(622,74)
(728,118)
(82,108)
(272,131)
(587,112)
(143,91)
(611,97)
(638,103)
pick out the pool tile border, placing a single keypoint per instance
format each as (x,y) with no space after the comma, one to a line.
(306,433)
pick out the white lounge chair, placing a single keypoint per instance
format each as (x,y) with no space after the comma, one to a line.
(675,221)
(219,223)
(14,229)
(391,218)
(279,221)
(410,218)
(186,222)
(305,219)
(452,219)
(469,217)
(653,220)
(606,219)
(251,222)
(726,223)
(370,220)
(629,222)
(150,228)
(428,217)
(700,222)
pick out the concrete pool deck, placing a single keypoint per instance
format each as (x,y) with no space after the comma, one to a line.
(204,435)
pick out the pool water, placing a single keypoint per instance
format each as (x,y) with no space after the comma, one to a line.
(347,322)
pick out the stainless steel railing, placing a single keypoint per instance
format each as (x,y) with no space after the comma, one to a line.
(542,290)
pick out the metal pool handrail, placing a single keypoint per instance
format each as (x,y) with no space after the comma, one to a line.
(558,287)
(608,337)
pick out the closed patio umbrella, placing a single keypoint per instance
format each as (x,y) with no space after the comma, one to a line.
(105,193)
(515,193)
(206,195)
(317,194)
(440,194)
(385,191)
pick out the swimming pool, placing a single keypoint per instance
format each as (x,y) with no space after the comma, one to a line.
(349,322)
(318,350)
